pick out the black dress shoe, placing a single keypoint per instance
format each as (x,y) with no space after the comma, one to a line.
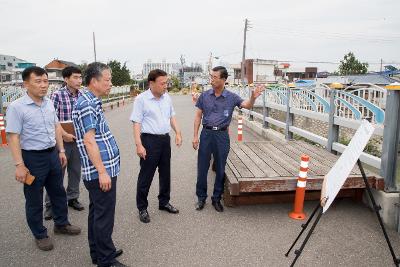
(118,253)
(144,216)
(75,204)
(169,208)
(48,214)
(200,205)
(218,206)
(118,264)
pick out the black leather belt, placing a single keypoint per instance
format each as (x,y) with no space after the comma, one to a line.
(215,128)
(155,135)
(50,149)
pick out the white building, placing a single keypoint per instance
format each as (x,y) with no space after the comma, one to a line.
(170,68)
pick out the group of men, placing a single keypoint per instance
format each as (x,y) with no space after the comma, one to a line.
(42,148)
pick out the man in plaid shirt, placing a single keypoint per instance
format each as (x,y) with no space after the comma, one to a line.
(100,161)
(64,101)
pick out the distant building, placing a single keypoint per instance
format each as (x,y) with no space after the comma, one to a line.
(308,73)
(11,68)
(259,71)
(192,74)
(373,78)
(170,68)
(54,70)
(234,71)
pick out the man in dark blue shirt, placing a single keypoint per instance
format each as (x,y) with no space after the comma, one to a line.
(214,110)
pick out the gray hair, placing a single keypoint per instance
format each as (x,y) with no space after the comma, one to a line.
(95,70)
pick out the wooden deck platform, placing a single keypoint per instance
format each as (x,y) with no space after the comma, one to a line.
(256,168)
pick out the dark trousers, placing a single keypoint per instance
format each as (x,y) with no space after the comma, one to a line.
(216,143)
(101,221)
(46,167)
(74,171)
(158,154)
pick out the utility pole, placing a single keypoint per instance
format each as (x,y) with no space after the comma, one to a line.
(210,63)
(94,47)
(381,64)
(246,28)
(183,73)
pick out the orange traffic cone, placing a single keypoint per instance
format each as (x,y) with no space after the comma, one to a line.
(297,212)
(3,131)
(240,129)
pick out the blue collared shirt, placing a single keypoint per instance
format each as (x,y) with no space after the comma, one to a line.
(36,125)
(153,114)
(217,111)
(87,115)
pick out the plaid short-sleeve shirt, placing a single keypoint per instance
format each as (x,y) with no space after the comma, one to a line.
(64,102)
(87,115)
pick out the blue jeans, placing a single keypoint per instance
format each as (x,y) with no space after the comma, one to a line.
(216,143)
(46,167)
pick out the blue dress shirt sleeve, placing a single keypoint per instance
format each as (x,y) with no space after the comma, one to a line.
(199,103)
(13,120)
(137,112)
(238,100)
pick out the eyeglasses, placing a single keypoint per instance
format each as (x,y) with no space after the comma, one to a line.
(214,77)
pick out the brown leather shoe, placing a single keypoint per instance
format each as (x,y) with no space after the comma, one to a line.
(67,230)
(44,244)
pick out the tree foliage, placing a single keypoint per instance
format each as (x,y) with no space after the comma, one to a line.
(350,65)
(120,73)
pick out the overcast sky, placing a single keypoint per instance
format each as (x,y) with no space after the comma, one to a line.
(134,31)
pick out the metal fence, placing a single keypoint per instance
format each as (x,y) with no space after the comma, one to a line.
(338,108)
(12,93)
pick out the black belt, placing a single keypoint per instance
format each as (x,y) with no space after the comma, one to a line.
(155,135)
(50,149)
(215,128)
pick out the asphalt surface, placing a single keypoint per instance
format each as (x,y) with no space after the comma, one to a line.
(347,235)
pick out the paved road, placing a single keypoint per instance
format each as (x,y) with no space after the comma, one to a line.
(348,235)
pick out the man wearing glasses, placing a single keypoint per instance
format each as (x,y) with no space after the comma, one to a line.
(214,111)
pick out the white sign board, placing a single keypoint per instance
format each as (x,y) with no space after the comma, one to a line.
(336,177)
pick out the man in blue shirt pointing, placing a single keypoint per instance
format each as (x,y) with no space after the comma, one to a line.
(214,111)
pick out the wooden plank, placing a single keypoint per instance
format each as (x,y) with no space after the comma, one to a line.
(267,171)
(315,153)
(239,165)
(319,152)
(233,183)
(248,162)
(232,167)
(295,160)
(268,160)
(289,184)
(314,165)
(280,157)
(286,197)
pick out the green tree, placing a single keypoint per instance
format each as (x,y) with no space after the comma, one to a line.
(350,65)
(120,73)
(83,68)
(175,82)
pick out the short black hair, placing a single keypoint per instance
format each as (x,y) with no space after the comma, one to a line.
(26,73)
(223,73)
(95,70)
(154,74)
(68,71)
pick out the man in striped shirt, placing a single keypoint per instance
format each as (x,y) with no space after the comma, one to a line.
(100,159)
(64,101)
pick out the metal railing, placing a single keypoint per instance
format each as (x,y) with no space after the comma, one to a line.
(12,93)
(337,108)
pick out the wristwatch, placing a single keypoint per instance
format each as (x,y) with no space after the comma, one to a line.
(61,151)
